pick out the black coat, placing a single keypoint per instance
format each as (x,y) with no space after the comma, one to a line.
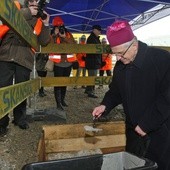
(143,87)
(93,61)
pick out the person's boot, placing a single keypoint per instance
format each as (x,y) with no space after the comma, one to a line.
(59,106)
(87,90)
(23,125)
(3,131)
(19,113)
(64,103)
(63,93)
(41,92)
(92,95)
(57,94)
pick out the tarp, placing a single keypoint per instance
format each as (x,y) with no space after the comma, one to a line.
(80,15)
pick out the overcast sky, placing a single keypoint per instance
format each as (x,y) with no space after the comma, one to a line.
(156,33)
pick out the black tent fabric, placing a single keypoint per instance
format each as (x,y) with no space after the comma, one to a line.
(80,15)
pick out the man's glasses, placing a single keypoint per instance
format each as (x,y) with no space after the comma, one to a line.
(127,49)
(123,54)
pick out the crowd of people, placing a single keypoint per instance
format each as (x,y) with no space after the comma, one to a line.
(141,81)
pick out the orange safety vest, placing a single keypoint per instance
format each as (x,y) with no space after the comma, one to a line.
(4,28)
(108,59)
(80,58)
(57,58)
(37,29)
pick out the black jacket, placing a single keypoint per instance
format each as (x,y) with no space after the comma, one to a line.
(93,61)
(143,87)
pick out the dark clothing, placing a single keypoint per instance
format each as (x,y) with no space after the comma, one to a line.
(60,92)
(41,74)
(17,61)
(143,87)
(91,89)
(108,72)
(93,61)
(10,72)
(13,49)
(41,60)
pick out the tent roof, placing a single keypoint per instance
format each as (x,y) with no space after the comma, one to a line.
(80,15)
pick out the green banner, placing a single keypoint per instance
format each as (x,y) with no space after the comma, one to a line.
(13,95)
(11,16)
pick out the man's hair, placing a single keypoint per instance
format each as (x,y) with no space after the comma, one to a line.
(130,42)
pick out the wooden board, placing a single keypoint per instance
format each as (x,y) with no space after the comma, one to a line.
(78,48)
(86,143)
(77,130)
(73,138)
(73,81)
(13,95)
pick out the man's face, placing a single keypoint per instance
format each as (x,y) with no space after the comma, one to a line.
(125,52)
(97,32)
(56,31)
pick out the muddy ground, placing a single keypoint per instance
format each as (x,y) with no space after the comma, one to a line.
(19,147)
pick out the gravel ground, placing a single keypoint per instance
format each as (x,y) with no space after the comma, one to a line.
(19,147)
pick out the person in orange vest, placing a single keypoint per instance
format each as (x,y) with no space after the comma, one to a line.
(62,62)
(106,63)
(81,60)
(17,58)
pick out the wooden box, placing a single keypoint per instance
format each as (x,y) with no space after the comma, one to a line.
(71,138)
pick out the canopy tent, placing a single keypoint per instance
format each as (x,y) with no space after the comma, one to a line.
(80,15)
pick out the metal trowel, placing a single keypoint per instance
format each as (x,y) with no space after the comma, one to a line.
(93,127)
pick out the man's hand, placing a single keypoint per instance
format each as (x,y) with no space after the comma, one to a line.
(140,131)
(97,112)
(46,21)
